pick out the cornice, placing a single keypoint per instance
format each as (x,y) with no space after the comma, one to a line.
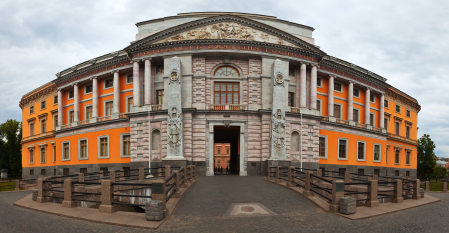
(37,95)
(403,100)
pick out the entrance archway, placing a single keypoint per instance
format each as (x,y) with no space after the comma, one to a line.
(224,136)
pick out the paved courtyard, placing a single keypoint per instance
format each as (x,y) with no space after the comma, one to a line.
(206,207)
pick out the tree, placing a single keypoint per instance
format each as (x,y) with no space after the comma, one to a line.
(10,147)
(426,156)
(439,172)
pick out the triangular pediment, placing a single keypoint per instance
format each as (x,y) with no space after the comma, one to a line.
(226,28)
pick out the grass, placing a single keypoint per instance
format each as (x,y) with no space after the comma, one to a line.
(8,186)
(434,186)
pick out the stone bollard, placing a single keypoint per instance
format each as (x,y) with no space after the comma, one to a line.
(81,187)
(141,175)
(194,173)
(338,191)
(427,186)
(184,177)
(348,205)
(154,211)
(319,173)
(291,176)
(307,181)
(112,175)
(34,197)
(398,192)
(348,177)
(158,194)
(372,189)
(106,197)
(40,191)
(389,180)
(167,170)
(101,175)
(445,187)
(69,187)
(416,187)
(176,181)
(17,185)
(278,175)
(122,174)
(370,177)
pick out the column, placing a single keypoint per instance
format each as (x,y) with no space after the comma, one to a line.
(60,123)
(350,101)
(94,97)
(298,91)
(136,84)
(148,82)
(303,86)
(381,113)
(330,98)
(313,87)
(116,95)
(76,104)
(278,148)
(367,105)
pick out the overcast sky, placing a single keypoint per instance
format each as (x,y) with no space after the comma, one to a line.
(404,41)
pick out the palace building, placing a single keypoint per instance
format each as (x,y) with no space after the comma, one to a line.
(253,82)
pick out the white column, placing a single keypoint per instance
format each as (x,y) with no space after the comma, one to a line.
(60,123)
(297,91)
(148,83)
(303,81)
(136,84)
(367,105)
(350,101)
(330,97)
(382,106)
(313,87)
(116,93)
(76,103)
(94,97)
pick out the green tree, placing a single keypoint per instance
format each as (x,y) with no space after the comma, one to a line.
(426,156)
(10,147)
(439,172)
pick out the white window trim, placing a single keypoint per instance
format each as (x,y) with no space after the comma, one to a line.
(85,89)
(341,87)
(104,107)
(68,116)
(358,114)
(79,149)
(374,98)
(29,129)
(99,147)
(387,151)
(387,124)
(380,152)
(55,120)
(40,125)
(364,151)
(338,149)
(374,119)
(127,99)
(409,112)
(85,110)
(29,157)
(341,110)
(31,107)
(55,103)
(358,97)
(54,152)
(45,104)
(388,104)
(68,95)
(320,102)
(325,146)
(410,157)
(398,106)
(320,78)
(121,145)
(62,151)
(229,80)
(399,158)
(40,155)
(104,83)
(126,78)
(399,133)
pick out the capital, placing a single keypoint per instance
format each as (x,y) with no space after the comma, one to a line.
(315,65)
(147,59)
(93,77)
(115,71)
(331,76)
(135,61)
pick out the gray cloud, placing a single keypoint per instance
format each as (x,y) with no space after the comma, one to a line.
(404,41)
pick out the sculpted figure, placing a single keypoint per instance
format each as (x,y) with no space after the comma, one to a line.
(174,128)
(278,130)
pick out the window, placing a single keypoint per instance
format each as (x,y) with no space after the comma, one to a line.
(103,147)
(376,153)
(31,129)
(130,103)
(386,103)
(386,172)
(219,150)
(294,142)
(218,163)
(42,172)
(319,82)
(88,89)
(228,150)
(227,163)
(66,151)
(361,151)
(371,119)
(361,171)
(396,173)
(71,94)
(55,100)
(341,171)
(43,125)
(43,158)
(407,131)
(88,112)
(386,154)
(322,147)
(83,149)
(407,173)
(159,96)
(129,79)
(318,105)
(31,172)
(159,69)
(376,172)
(54,154)
(342,148)
(337,111)
(291,72)
(31,156)
(226,93)
(227,71)
(338,87)
(65,172)
(397,128)
(83,170)
(156,140)
(71,116)
(109,108)
(55,122)
(104,170)
(54,172)
(407,113)
(355,115)
(126,171)
(398,108)
(396,156)
(31,110)
(126,145)
(356,92)
(407,158)
(386,123)
(43,105)
(372,98)
(291,99)
(108,83)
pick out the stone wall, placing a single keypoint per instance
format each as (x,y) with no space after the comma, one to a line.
(199,137)
(187,127)
(254,138)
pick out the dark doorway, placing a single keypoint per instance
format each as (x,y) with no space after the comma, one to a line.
(228,136)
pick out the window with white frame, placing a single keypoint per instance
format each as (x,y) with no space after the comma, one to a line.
(337,111)
(407,113)
(54,153)
(323,147)
(387,154)
(103,146)
(43,154)
(397,127)
(71,94)
(407,157)
(83,149)
(407,131)
(386,124)
(386,103)
(43,104)
(125,145)
(376,152)
(342,148)
(31,155)
(338,87)
(55,99)
(356,92)
(397,154)
(318,106)
(371,119)
(129,79)
(32,129)
(109,108)
(355,115)
(361,151)
(129,104)
(88,89)
(31,110)
(44,125)
(88,112)
(55,121)
(319,82)
(65,151)
(398,108)
(372,98)
(71,116)
(108,83)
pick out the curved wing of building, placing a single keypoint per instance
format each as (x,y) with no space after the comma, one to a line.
(253,82)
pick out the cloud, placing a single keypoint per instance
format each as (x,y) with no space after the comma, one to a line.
(405,42)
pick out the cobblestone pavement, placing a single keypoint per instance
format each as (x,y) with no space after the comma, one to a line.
(203,206)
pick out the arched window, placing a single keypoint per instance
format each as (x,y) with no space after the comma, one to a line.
(294,142)
(156,140)
(227,71)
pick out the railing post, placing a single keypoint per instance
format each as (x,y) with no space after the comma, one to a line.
(270,174)
(58,179)
(278,174)
(184,177)
(348,177)
(17,185)
(329,175)
(338,191)
(158,193)
(160,171)
(444,187)
(398,192)
(194,173)
(376,177)
(122,174)
(416,186)
(370,178)
(141,175)
(112,175)
(307,182)
(372,189)
(319,173)
(101,175)
(291,175)
(69,187)
(167,170)
(177,193)
(40,191)
(427,186)
(389,180)
(81,187)
(106,196)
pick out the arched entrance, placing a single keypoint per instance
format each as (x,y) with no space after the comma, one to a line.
(227,149)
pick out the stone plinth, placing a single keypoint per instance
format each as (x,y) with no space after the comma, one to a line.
(154,211)
(68,189)
(398,192)
(347,205)
(106,197)
(372,188)
(34,197)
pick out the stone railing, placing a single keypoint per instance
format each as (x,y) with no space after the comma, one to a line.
(341,121)
(156,107)
(230,107)
(86,122)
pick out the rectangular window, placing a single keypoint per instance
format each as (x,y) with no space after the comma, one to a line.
(342,149)
(338,87)
(55,122)
(386,103)
(319,82)
(219,151)
(104,147)
(108,83)
(130,103)
(396,156)
(407,131)
(372,98)
(396,173)
(54,154)
(129,79)
(407,113)
(159,97)
(109,108)
(54,172)
(31,172)
(31,156)
(356,92)
(291,99)
(226,93)
(218,163)
(386,154)
(397,128)
(32,129)
(361,171)
(361,151)
(398,108)
(88,89)
(227,151)
(83,170)
(42,172)
(407,158)
(55,100)
(83,149)
(386,123)
(337,111)
(43,104)
(43,156)
(407,173)
(65,172)
(71,116)
(127,172)
(376,172)
(322,149)
(43,126)
(66,150)
(341,171)
(126,145)
(159,69)
(88,112)
(71,94)
(376,153)
(355,115)
(371,119)
(31,110)
(291,72)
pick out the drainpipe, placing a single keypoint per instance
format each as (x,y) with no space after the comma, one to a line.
(300,138)
(149,144)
